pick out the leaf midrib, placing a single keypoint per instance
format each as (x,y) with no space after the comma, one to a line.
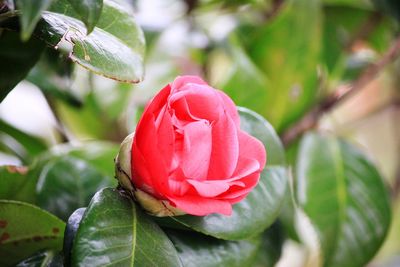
(133,233)
(341,192)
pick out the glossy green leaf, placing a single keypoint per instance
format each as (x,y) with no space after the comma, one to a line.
(26,229)
(250,216)
(47,258)
(260,128)
(16,58)
(30,15)
(288,55)
(271,246)
(344,196)
(16,183)
(261,207)
(114,49)
(70,232)
(114,231)
(67,183)
(197,250)
(89,11)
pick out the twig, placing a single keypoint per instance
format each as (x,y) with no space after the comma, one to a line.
(367,27)
(191,5)
(276,7)
(311,119)
(396,184)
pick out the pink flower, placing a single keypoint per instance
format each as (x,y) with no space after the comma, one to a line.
(189,151)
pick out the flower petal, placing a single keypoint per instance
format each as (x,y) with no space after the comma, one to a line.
(210,188)
(225,149)
(180,81)
(196,150)
(229,107)
(199,206)
(145,141)
(251,147)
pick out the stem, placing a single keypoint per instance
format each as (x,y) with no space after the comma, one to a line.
(311,118)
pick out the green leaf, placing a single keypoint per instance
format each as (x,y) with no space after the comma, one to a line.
(32,145)
(271,246)
(89,11)
(30,15)
(26,229)
(53,75)
(243,73)
(261,207)
(364,4)
(98,154)
(70,232)
(17,184)
(344,196)
(197,250)
(114,49)
(16,58)
(260,128)
(392,7)
(47,258)
(114,231)
(288,55)
(68,183)
(250,216)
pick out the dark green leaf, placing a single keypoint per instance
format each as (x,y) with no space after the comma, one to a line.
(30,15)
(392,7)
(68,183)
(17,184)
(271,246)
(26,229)
(46,258)
(260,128)
(89,12)
(344,196)
(114,231)
(114,49)
(251,216)
(197,250)
(362,4)
(16,58)
(70,232)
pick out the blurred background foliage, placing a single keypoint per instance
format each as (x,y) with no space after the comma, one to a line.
(279,58)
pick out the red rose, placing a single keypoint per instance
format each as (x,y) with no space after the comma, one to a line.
(189,151)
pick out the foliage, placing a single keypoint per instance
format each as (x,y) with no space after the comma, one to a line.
(282,59)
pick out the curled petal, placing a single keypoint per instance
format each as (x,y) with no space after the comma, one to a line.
(200,206)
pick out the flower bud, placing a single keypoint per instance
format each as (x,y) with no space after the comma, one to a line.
(123,173)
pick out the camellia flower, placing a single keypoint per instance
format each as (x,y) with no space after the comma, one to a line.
(188,153)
